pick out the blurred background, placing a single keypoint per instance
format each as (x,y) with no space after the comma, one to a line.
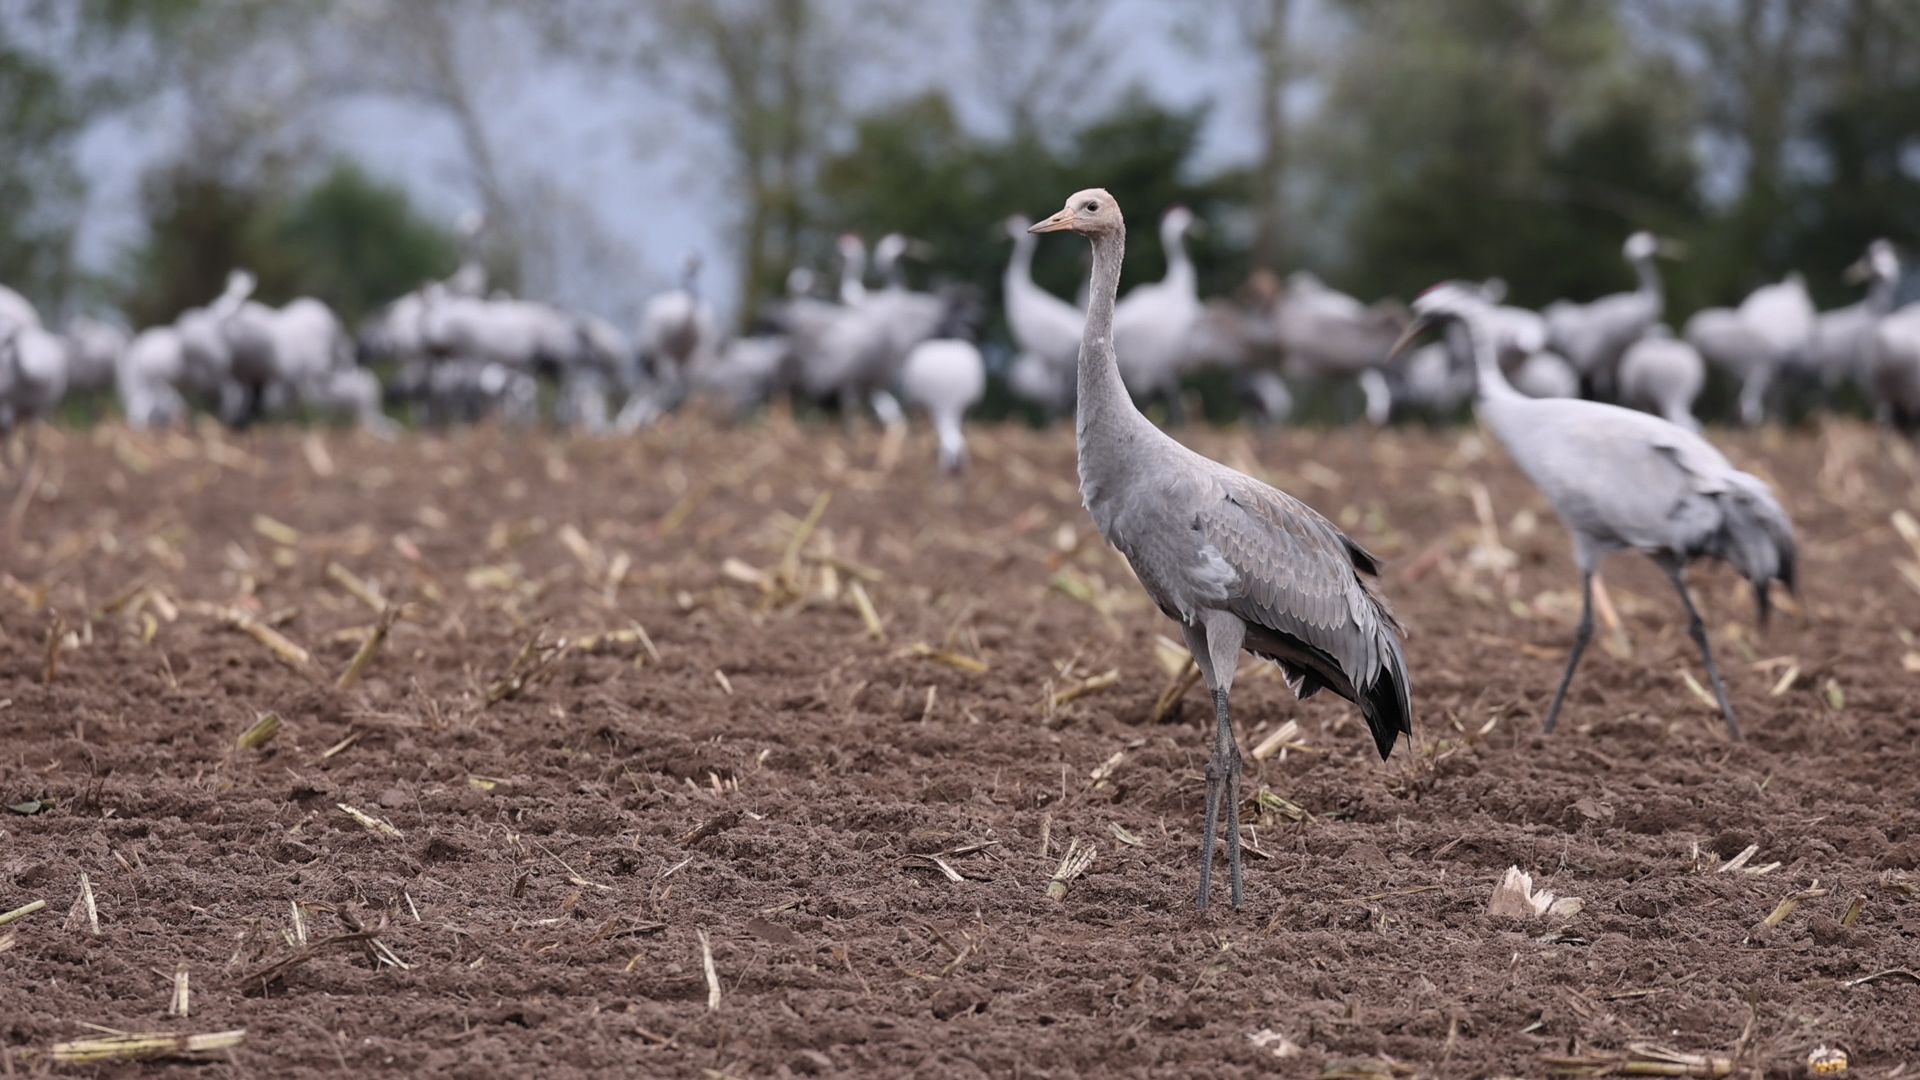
(336,147)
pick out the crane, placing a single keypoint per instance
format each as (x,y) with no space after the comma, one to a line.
(1239,564)
(1625,479)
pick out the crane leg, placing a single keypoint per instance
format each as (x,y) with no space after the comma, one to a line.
(1581,635)
(1697,630)
(1215,642)
(1223,801)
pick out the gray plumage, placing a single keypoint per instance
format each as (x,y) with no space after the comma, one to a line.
(1593,335)
(1843,337)
(1663,374)
(1236,562)
(1625,479)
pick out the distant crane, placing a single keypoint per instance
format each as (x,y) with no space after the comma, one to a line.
(1625,479)
(1237,563)
(1592,336)
(1154,325)
(1663,374)
(676,332)
(1893,367)
(1327,334)
(1046,329)
(946,377)
(1841,337)
(1545,374)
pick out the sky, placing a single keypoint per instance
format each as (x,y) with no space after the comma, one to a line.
(644,172)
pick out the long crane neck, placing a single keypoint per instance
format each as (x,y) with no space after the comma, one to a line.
(1881,292)
(1649,276)
(1105,413)
(1020,269)
(1490,384)
(1179,265)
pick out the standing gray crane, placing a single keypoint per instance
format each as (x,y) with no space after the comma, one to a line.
(1625,479)
(1237,563)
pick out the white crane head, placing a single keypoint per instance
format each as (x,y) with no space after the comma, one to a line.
(1017,225)
(851,247)
(799,281)
(1091,212)
(240,285)
(1176,223)
(889,249)
(1643,245)
(1880,263)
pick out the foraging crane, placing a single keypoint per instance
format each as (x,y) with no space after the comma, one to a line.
(1046,329)
(1769,330)
(1625,479)
(16,310)
(1237,563)
(206,359)
(302,350)
(1781,317)
(93,353)
(1592,336)
(1893,367)
(1838,351)
(1327,334)
(675,325)
(148,376)
(677,331)
(1545,374)
(946,377)
(1153,325)
(1662,374)
(33,373)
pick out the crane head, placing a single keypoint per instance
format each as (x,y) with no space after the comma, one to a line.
(1643,245)
(1178,222)
(1880,263)
(1447,300)
(1017,225)
(1090,212)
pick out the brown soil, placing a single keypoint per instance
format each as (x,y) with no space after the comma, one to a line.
(547,904)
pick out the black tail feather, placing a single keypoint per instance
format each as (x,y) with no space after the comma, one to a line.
(1387,705)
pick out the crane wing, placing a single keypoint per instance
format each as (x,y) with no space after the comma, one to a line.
(1306,607)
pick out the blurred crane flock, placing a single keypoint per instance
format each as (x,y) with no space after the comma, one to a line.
(1351,155)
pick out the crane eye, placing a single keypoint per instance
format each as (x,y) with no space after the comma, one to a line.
(1091,206)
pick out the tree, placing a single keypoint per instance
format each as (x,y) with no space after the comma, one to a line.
(39,119)
(1500,137)
(1264,26)
(347,239)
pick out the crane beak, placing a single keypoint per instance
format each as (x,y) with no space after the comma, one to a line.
(1672,249)
(1857,273)
(1414,329)
(1059,222)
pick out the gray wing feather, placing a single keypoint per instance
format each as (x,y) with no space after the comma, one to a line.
(1297,574)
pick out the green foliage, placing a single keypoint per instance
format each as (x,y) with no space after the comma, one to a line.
(38,188)
(348,239)
(357,243)
(1491,137)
